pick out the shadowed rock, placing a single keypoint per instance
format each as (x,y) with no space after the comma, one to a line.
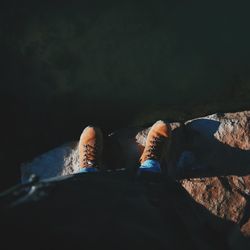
(209,156)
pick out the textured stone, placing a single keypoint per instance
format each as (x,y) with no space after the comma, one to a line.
(210,156)
(245,229)
(220,144)
(226,197)
(235,130)
(217,196)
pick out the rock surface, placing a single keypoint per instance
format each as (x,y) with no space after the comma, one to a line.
(222,147)
(217,144)
(209,156)
(226,197)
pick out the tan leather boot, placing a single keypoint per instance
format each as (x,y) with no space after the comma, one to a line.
(90,147)
(157,142)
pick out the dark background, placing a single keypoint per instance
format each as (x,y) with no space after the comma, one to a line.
(65,64)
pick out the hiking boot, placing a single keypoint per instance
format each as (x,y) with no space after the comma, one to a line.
(157,142)
(90,147)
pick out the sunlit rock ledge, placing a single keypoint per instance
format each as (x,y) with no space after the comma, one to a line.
(217,144)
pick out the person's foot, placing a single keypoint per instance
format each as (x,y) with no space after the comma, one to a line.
(156,144)
(90,148)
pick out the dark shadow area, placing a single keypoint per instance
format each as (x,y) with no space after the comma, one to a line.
(111,210)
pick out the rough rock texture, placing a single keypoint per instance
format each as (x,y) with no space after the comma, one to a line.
(245,229)
(220,145)
(226,197)
(235,130)
(57,162)
(209,156)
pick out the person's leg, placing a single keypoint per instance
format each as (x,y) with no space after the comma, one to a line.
(88,170)
(90,149)
(155,148)
(150,166)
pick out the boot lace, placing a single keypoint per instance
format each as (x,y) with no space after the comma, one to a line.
(89,155)
(155,148)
